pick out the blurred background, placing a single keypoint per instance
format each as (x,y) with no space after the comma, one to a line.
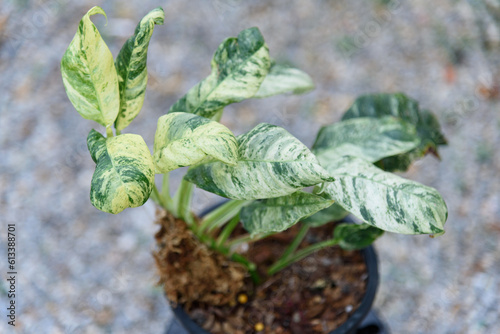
(84,271)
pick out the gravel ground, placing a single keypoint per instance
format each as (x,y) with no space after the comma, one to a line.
(83,271)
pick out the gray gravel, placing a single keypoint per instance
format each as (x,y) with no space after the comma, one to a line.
(83,271)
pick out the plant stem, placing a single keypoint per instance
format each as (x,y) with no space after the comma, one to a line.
(109,132)
(183,203)
(155,196)
(228,229)
(251,267)
(221,215)
(247,238)
(118,132)
(296,242)
(283,263)
(165,192)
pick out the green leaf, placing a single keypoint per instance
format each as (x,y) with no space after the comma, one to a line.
(367,138)
(330,214)
(407,109)
(124,174)
(284,79)
(89,74)
(238,68)
(271,163)
(354,236)
(131,66)
(184,139)
(385,200)
(280,213)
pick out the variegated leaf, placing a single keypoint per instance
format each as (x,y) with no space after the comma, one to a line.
(280,213)
(131,66)
(184,139)
(238,68)
(367,138)
(124,174)
(272,163)
(354,236)
(284,79)
(399,105)
(385,200)
(89,74)
(330,214)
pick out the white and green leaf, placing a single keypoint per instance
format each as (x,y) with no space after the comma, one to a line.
(367,138)
(184,139)
(131,66)
(124,173)
(407,109)
(330,214)
(271,163)
(89,74)
(356,236)
(283,79)
(385,200)
(280,213)
(238,68)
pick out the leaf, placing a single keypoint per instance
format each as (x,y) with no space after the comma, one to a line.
(385,200)
(407,109)
(367,138)
(284,79)
(124,174)
(280,213)
(184,139)
(353,236)
(271,163)
(330,214)
(89,74)
(131,66)
(238,68)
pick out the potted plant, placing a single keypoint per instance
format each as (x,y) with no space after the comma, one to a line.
(251,249)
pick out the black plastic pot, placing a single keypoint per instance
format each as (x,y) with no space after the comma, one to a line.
(361,321)
(353,325)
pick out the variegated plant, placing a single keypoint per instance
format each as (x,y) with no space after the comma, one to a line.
(264,171)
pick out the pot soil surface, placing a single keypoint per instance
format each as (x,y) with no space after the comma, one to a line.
(314,295)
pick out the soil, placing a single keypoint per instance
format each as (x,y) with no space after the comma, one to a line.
(314,295)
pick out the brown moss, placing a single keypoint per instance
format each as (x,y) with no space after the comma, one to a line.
(191,272)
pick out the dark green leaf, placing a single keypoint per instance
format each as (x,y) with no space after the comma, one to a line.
(353,236)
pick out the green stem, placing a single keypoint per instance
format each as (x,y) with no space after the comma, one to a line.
(247,238)
(165,193)
(118,132)
(109,132)
(251,267)
(283,263)
(296,242)
(228,229)
(155,196)
(183,203)
(221,215)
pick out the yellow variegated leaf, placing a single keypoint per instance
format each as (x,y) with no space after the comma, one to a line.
(131,66)
(284,79)
(89,74)
(385,200)
(184,139)
(271,163)
(124,174)
(369,138)
(238,68)
(407,109)
(280,213)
